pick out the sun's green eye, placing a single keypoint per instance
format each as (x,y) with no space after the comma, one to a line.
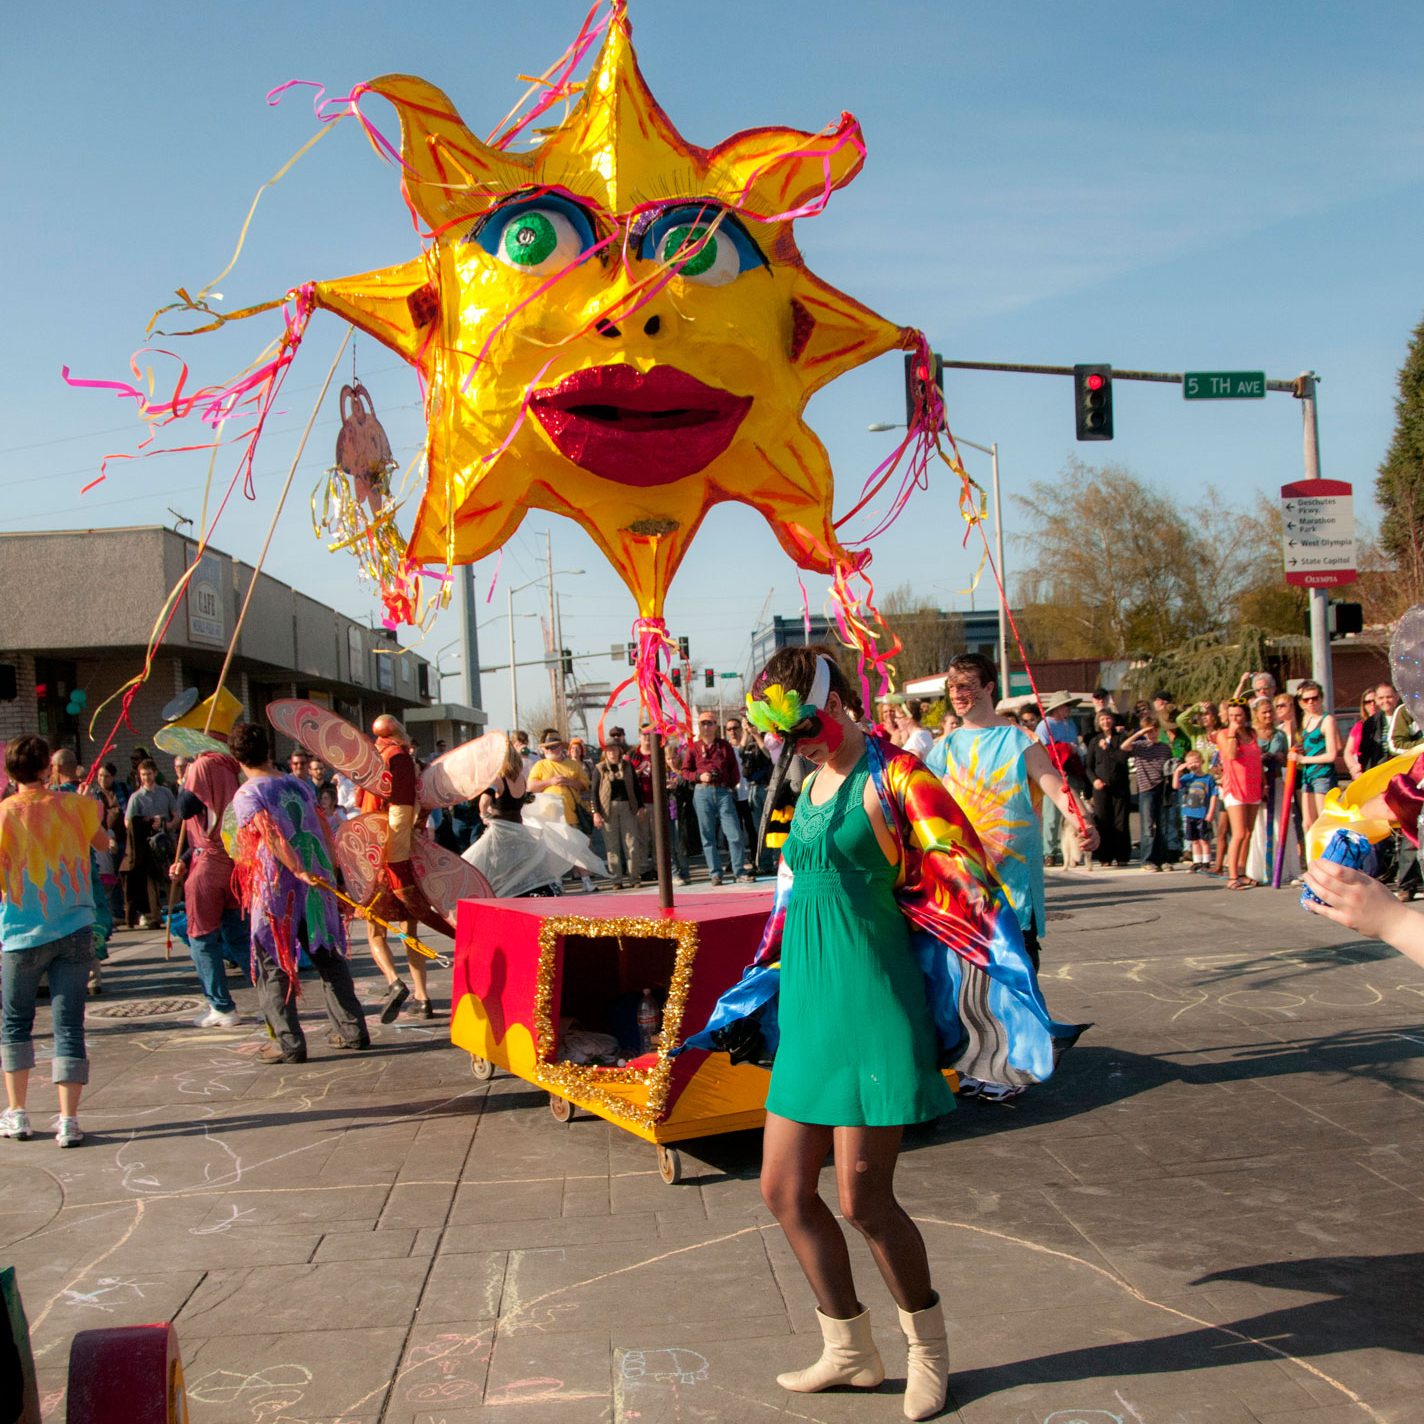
(529,240)
(680,239)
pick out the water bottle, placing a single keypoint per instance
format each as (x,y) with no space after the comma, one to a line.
(649,1022)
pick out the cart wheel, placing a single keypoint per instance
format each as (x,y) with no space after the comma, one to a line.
(482,1068)
(562,1108)
(669,1165)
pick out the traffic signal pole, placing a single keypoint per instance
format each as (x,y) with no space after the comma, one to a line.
(1303,389)
(1321,667)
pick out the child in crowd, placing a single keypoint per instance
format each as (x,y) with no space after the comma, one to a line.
(1196,793)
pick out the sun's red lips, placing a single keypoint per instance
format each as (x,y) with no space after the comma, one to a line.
(639,427)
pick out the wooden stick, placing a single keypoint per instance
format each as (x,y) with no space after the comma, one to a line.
(246,603)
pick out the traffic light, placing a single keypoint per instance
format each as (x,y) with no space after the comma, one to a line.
(1346,618)
(632,655)
(684,649)
(917,376)
(709,677)
(566,662)
(676,675)
(1092,402)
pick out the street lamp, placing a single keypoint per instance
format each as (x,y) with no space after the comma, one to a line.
(513,672)
(992,451)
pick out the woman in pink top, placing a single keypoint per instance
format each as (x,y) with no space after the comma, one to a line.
(1240,787)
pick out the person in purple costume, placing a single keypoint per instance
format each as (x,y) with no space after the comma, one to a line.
(284,857)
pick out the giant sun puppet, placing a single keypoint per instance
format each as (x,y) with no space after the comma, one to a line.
(616,326)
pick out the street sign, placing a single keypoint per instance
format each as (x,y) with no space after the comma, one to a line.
(1318,533)
(1224,385)
(729,674)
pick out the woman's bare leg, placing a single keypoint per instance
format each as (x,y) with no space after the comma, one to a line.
(792,1156)
(865,1178)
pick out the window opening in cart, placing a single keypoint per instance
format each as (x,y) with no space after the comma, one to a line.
(604,983)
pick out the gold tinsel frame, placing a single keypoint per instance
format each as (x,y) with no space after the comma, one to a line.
(582,1080)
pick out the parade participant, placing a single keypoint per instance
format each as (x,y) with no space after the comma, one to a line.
(563,785)
(218,933)
(709,766)
(400,898)
(65,774)
(46,929)
(883,884)
(150,819)
(512,854)
(616,803)
(283,849)
(991,767)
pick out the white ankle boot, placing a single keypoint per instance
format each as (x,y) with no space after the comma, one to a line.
(927,1373)
(848,1357)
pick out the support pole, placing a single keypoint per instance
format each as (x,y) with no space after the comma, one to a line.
(662,848)
(1320,660)
(513,673)
(1003,576)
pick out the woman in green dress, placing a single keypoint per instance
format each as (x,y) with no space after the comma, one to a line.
(891,943)
(857,1055)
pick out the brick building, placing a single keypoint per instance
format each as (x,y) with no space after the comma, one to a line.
(77,608)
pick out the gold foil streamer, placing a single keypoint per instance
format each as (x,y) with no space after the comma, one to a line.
(582,1080)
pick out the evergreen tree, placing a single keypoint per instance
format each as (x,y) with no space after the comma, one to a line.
(1400,487)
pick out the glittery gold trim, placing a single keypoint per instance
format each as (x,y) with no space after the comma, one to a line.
(582,1080)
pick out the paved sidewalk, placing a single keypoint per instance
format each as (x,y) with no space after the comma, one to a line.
(1213,1215)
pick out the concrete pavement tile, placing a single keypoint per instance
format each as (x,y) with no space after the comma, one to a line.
(328,1295)
(365,1245)
(507,1201)
(1404,1410)
(569,1368)
(1113,1157)
(1052,1359)
(639,1283)
(586,1195)
(504,1235)
(60,1304)
(441,1376)
(462,1288)
(418,1204)
(306,1375)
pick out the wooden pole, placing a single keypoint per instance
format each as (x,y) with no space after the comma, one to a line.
(662,829)
(242,614)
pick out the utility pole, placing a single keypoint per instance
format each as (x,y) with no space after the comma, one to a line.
(1320,662)
(556,674)
(513,673)
(470,637)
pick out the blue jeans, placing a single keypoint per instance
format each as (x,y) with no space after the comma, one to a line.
(1152,849)
(1171,821)
(230,943)
(717,805)
(68,961)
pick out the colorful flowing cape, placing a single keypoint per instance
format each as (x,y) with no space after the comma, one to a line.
(988,1010)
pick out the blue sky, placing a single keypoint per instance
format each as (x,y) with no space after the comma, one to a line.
(1207,186)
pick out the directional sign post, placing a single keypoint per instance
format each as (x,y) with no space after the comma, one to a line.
(1224,385)
(1318,533)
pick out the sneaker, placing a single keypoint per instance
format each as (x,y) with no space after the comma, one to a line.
(395,996)
(15,1122)
(746,879)
(69,1134)
(681,880)
(217,1018)
(715,880)
(419,1009)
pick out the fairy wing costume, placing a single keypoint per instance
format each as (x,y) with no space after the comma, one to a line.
(988,1010)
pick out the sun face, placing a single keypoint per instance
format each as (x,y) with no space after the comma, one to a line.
(617,326)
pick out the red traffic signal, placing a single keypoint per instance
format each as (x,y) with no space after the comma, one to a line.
(1092,402)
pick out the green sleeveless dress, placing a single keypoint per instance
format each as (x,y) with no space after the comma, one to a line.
(858,1045)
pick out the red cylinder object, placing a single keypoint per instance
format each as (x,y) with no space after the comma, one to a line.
(128,1374)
